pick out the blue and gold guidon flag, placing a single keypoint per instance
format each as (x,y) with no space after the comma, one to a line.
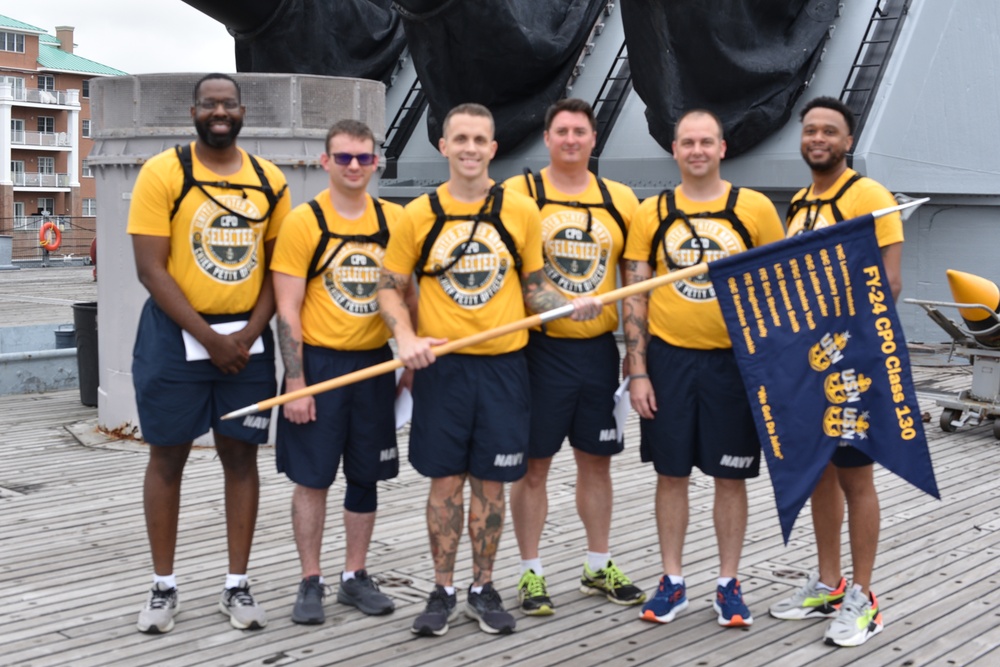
(823,358)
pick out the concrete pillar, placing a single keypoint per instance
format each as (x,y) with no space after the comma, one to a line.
(136,117)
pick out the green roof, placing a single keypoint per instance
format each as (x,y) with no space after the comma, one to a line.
(7,22)
(50,57)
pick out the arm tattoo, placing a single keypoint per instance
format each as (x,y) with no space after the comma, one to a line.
(635,311)
(539,295)
(390,280)
(291,349)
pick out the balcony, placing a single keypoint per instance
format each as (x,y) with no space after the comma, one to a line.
(56,97)
(39,139)
(26,180)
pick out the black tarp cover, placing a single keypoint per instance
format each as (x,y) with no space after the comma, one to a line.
(513,57)
(356,38)
(746,60)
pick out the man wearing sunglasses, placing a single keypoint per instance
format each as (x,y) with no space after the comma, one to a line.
(326,267)
(203,220)
(478,252)
(685,384)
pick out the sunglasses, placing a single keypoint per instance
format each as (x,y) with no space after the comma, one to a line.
(344,159)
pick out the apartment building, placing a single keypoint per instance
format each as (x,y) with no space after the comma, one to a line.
(44,101)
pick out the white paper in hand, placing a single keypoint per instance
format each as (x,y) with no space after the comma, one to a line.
(623,403)
(195,351)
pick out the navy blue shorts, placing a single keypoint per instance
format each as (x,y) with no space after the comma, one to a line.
(180,400)
(355,422)
(573,383)
(471,415)
(847,456)
(703,417)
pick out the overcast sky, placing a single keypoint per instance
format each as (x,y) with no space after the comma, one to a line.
(136,36)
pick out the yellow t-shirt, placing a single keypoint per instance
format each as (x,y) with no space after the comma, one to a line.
(864,196)
(340,308)
(482,290)
(578,262)
(686,313)
(217,258)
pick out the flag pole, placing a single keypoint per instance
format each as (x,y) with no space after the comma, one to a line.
(481,337)
(511,327)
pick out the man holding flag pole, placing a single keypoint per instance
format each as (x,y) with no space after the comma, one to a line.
(477,253)
(685,383)
(838,193)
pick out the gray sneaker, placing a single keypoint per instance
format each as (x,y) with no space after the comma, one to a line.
(308,609)
(362,592)
(242,609)
(487,608)
(158,615)
(441,608)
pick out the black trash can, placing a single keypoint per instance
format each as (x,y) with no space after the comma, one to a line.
(85,323)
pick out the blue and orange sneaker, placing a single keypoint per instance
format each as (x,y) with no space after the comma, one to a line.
(668,601)
(733,613)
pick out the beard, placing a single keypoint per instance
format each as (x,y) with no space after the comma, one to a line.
(822,166)
(218,140)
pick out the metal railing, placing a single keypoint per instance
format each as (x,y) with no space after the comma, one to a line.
(77,235)
(23,138)
(26,180)
(41,96)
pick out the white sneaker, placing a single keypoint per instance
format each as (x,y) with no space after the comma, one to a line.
(242,609)
(158,615)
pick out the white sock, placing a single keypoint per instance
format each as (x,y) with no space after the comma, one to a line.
(675,579)
(476,589)
(534,564)
(858,587)
(724,581)
(169,581)
(597,561)
(345,575)
(450,590)
(823,587)
(236,580)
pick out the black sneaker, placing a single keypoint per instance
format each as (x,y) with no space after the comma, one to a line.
(308,609)
(487,608)
(440,609)
(362,592)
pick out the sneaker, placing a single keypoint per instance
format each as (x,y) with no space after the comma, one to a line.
(158,614)
(440,609)
(533,596)
(857,621)
(612,583)
(728,604)
(487,608)
(362,592)
(668,601)
(308,609)
(242,609)
(810,601)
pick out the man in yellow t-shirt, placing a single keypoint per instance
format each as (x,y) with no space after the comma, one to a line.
(477,252)
(573,366)
(839,193)
(326,267)
(685,383)
(203,220)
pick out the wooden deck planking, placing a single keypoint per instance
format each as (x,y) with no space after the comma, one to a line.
(72,530)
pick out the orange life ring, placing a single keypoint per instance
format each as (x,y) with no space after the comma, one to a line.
(50,242)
